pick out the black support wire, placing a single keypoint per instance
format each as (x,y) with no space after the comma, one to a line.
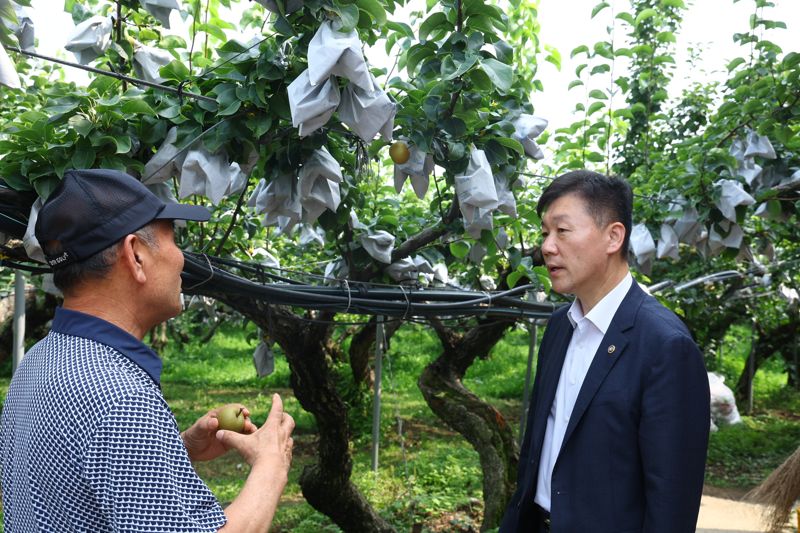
(135,81)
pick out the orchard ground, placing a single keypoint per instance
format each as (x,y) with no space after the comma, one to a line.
(429,478)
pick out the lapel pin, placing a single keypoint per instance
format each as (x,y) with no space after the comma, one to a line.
(611,349)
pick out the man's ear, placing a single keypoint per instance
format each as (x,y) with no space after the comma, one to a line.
(616,236)
(130,256)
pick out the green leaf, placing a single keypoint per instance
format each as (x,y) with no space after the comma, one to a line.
(213,30)
(735,63)
(436,21)
(644,15)
(402,28)
(509,142)
(137,107)
(374,9)
(597,94)
(480,80)
(596,106)
(459,249)
(513,278)
(81,124)
(598,8)
(175,71)
(83,157)
(454,126)
(677,4)
(627,17)
(582,49)
(501,74)
(416,54)
(123,143)
(574,83)
(455,70)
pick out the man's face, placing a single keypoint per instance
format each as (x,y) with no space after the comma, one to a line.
(166,287)
(574,248)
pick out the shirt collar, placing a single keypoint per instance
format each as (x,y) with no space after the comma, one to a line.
(90,327)
(602,313)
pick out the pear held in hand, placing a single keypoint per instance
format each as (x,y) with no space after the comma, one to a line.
(231,417)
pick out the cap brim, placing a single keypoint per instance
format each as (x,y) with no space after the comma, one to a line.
(184,212)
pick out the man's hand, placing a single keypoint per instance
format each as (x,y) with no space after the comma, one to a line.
(200,439)
(271,444)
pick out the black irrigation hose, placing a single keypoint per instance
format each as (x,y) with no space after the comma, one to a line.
(362,299)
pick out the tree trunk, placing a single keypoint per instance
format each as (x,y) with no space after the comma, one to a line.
(478,422)
(39,310)
(326,485)
(767,342)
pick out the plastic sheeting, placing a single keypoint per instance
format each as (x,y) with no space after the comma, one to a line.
(319,185)
(725,234)
(367,112)
(210,175)
(477,195)
(90,39)
(731,195)
(332,52)
(312,105)
(264,359)
(668,244)
(643,246)
(379,245)
(29,240)
(24,29)
(309,234)
(418,168)
(166,162)
(411,269)
(8,72)
(160,9)
(526,129)
(148,60)
(279,200)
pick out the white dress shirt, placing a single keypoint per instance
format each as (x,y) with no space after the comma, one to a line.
(586,339)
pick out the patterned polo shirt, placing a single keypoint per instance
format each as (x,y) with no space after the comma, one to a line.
(88,442)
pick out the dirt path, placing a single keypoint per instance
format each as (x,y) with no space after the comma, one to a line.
(725,512)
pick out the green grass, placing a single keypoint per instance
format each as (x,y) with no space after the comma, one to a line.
(427,474)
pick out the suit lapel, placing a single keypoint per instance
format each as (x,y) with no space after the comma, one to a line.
(611,349)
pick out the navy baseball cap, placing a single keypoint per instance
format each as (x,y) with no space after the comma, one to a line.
(92,209)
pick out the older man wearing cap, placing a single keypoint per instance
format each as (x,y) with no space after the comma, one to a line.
(88,442)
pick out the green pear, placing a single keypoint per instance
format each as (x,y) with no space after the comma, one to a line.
(231,417)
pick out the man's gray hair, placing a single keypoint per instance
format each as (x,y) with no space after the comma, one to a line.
(97,266)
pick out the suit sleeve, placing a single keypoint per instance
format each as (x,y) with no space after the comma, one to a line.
(673,435)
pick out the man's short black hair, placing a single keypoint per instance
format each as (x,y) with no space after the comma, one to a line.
(607,199)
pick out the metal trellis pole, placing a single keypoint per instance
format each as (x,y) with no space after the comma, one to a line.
(376,406)
(19,319)
(532,332)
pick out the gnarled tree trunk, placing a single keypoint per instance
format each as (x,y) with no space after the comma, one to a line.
(481,424)
(326,485)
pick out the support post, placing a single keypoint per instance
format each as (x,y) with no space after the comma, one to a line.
(19,319)
(526,392)
(376,405)
(751,370)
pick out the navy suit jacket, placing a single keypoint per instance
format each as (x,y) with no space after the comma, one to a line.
(634,451)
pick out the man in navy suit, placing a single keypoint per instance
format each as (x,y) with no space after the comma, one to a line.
(618,423)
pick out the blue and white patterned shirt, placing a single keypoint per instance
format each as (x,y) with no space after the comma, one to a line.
(88,442)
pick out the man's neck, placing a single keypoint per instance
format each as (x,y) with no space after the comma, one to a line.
(610,279)
(117,311)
